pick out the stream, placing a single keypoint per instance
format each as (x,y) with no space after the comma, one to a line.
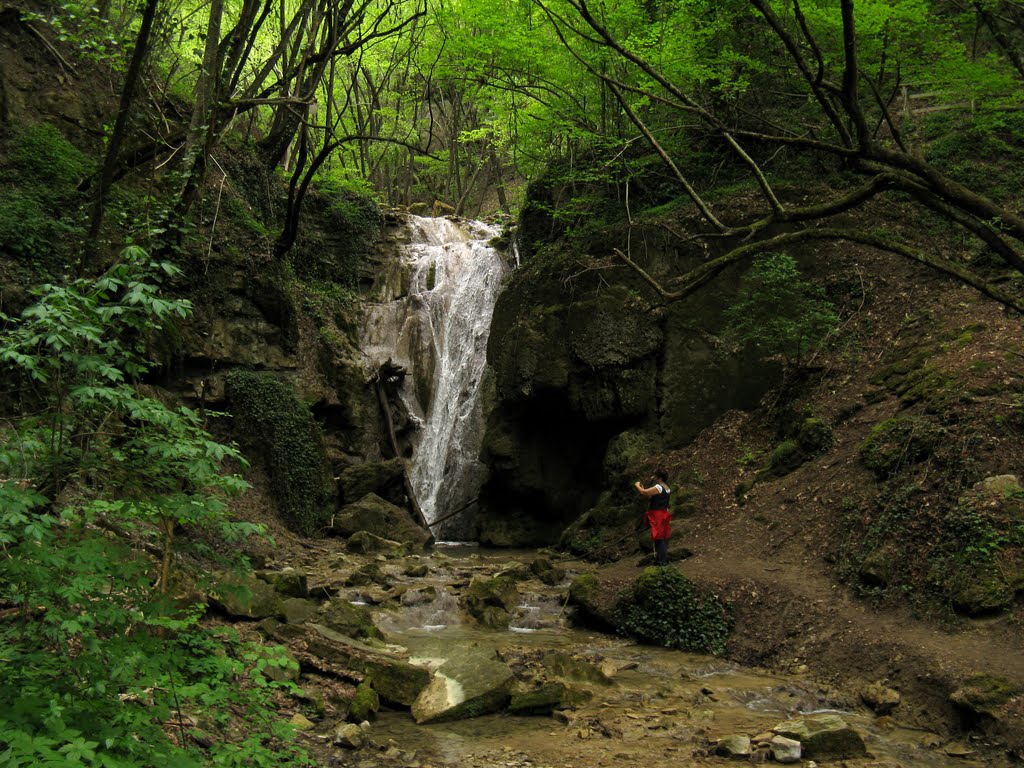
(661,708)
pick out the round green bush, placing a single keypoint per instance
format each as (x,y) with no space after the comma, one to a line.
(663,607)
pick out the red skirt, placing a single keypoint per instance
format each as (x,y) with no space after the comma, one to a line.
(660,522)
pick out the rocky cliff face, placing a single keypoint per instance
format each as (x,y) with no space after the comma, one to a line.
(583,354)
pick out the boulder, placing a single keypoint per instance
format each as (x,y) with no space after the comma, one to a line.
(784,750)
(736,747)
(298,611)
(365,704)
(880,699)
(288,582)
(547,572)
(366,575)
(545,698)
(349,736)
(999,485)
(594,604)
(980,699)
(570,666)
(878,567)
(365,543)
(421,596)
(395,680)
(470,683)
(824,737)
(491,601)
(980,589)
(386,479)
(350,620)
(249,598)
(381,518)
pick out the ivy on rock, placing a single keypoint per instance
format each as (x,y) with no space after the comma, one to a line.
(290,444)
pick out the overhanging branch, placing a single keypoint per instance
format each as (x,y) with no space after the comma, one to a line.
(700,276)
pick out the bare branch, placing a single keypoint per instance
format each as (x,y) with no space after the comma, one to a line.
(700,276)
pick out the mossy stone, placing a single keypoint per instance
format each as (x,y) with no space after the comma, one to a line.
(347,619)
(380,518)
(383,478)
(287,582)
(367,574)
(981,698)
(572,667)
(899,442)
(364,705)
(980,590)
(491,601)
(814,436)
(546,698)
(250,599)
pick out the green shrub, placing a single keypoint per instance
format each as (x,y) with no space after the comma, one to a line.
(778,312)
(36,205)
(27,229)
(292,447)
(97,657)
(663,607)
(42,155)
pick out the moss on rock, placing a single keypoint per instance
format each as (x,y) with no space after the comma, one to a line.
(980,699)
(899,442)
(347,619)
(364,705)
(491,601)
(383,478)
(380,518)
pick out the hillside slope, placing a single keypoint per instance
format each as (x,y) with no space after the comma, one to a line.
(908,573)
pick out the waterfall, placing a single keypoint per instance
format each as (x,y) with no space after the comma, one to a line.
(437,329)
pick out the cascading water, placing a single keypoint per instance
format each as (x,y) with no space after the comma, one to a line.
(437,331)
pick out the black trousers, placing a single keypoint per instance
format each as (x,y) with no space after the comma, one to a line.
(661,551)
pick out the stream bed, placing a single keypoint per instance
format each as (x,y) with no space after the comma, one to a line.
(661,708)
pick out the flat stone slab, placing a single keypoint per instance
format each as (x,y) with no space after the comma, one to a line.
(825,736)
(470,683)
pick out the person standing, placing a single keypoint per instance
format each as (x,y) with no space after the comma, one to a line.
(657,515)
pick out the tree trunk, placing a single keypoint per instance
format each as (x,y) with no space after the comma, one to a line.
(91,251)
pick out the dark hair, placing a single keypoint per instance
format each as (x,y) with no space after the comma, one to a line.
(661,474)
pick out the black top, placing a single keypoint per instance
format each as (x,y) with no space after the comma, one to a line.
(661,500)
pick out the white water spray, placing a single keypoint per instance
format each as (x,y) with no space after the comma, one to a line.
(438,332)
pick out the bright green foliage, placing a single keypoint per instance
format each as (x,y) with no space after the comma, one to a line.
(96,659)
(77,350)
(779,312)
(291,445)
(663,607)
(95,36)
